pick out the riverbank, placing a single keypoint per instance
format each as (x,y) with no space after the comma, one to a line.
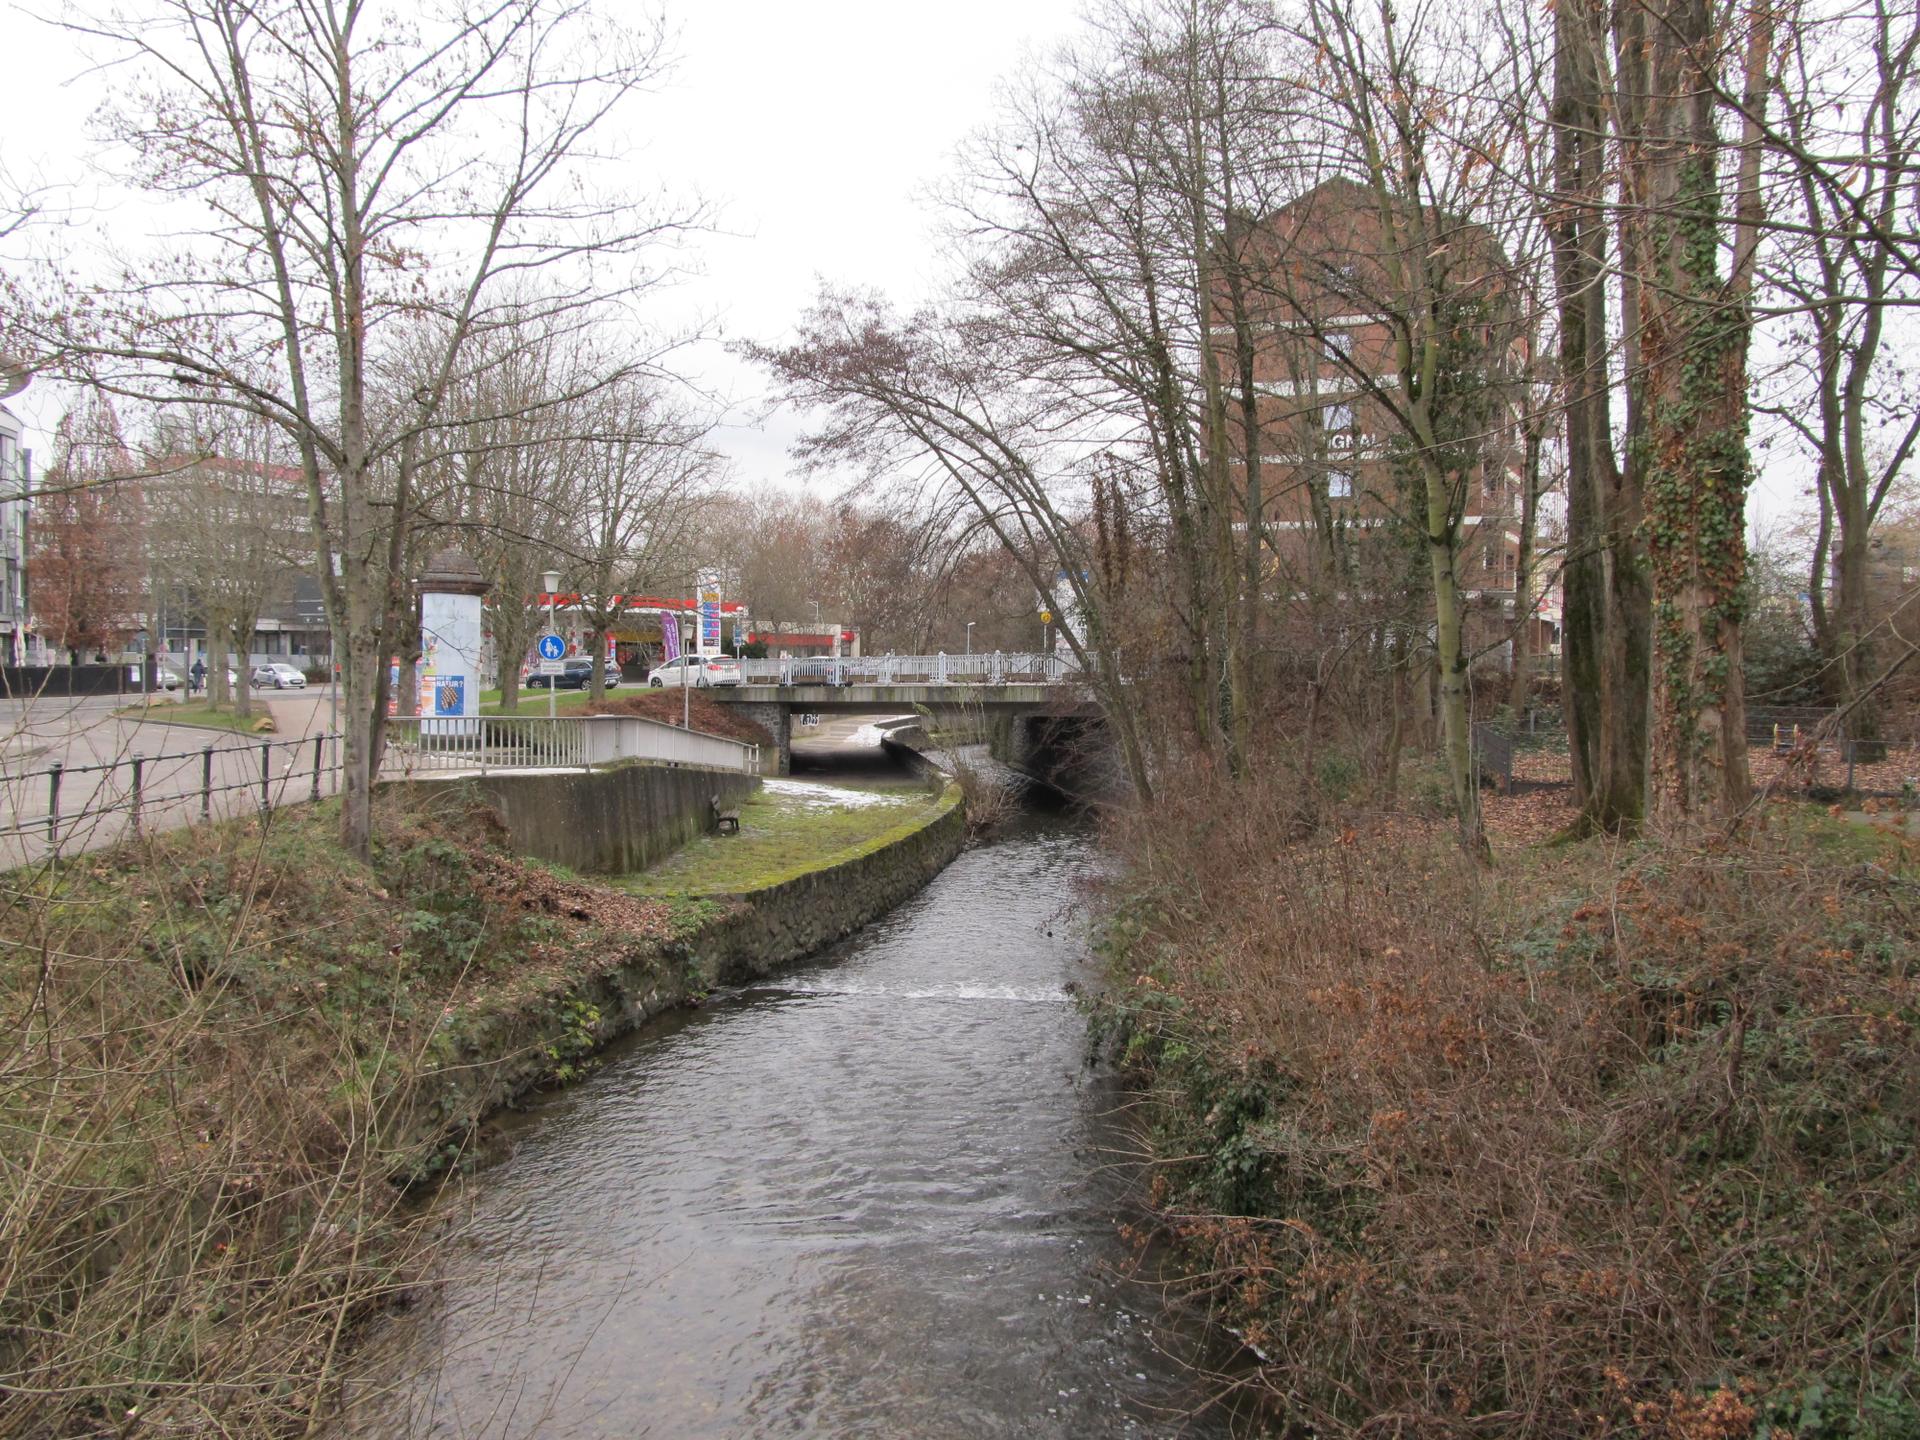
(1605,1139)
(229,1042)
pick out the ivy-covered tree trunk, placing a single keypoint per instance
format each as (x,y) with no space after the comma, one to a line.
(1605,639)
(1693,336)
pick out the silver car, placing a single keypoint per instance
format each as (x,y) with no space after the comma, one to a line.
(277,676)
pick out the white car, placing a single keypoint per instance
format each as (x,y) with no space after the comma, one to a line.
(277,676)
(696,670)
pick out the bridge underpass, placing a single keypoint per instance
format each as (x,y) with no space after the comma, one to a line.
(1026,724)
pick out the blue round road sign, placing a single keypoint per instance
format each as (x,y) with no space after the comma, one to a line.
(552,647)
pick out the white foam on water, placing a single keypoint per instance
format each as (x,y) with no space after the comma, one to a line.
(1013,994)
(831,797)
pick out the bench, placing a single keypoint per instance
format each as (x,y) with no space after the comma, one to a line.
(726,822)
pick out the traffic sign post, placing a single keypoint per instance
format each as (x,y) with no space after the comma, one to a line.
(553,663)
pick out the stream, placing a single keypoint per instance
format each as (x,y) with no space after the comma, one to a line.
(875,1196)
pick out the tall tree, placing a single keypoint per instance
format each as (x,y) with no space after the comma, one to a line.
(1847,143)
(1694,327)
(87,572)
(1607,635)
(371,176)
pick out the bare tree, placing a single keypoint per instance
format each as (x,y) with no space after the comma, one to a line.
(1848,87)
(642,471)
(365,173)
(226,524)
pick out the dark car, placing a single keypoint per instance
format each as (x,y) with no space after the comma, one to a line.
(577,676)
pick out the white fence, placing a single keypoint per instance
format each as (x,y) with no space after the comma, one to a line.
(994,667)
(437,745)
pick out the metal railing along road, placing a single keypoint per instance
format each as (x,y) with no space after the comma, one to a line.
(60,807)
(427,745)
(994,667)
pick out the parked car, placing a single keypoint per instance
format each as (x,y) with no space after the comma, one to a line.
(277,676)
(697,671)
(577,676)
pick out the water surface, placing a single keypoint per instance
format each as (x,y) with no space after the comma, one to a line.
(876,1197)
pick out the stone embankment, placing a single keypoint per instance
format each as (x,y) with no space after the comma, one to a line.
(723,939)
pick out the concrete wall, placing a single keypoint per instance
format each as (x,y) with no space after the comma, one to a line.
(776,718)
(608,821)
(749,935)
(780,924)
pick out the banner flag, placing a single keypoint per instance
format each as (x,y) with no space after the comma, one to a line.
(669,635)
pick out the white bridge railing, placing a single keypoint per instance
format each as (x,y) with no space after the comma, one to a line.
(994,667)
(483,744)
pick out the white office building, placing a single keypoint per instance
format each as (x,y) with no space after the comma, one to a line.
(16,483)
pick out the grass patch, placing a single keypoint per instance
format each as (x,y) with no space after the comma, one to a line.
(786,830)
(200,714)
(534,702)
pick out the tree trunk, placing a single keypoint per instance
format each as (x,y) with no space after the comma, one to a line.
(217,691)
(1694,347)
(242,677)
(1449,615)
(597,637)
(1521,682)
(1607,610)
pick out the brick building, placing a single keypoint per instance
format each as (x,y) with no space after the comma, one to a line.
(1340,501)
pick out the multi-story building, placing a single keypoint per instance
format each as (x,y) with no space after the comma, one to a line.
(225,535)
(1340,499)
(17,645)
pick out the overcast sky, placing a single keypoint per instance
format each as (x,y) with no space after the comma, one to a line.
(815,126)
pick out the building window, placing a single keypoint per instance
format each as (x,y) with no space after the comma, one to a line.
(1337,422)
(1340,344)
(1339,485)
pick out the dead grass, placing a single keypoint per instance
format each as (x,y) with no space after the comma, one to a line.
(221,1057)
(1608,1141)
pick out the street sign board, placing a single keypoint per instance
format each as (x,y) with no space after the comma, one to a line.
(552,647)
(553,667)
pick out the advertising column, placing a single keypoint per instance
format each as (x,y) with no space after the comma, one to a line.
(450,678)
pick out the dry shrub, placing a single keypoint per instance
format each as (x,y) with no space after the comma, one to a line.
(1605,1143)
(213,1084)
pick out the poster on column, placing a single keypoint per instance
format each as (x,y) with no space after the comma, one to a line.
(669,636)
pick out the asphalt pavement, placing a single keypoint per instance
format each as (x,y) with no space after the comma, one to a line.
(68,778)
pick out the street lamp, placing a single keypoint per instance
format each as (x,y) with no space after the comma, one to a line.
(550,581)
(970,637)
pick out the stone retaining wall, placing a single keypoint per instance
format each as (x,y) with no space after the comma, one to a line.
(750,935)
(613,820)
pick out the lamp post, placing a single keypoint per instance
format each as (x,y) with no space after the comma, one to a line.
(970,625)
(550,580)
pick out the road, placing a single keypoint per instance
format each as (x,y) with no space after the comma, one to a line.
(183,769)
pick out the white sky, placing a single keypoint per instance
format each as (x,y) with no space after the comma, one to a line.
(816,125)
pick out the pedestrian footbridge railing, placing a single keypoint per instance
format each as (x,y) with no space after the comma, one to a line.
(485,744)
(994,667)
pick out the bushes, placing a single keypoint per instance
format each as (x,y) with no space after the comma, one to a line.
(219,1060)
(1609,1143)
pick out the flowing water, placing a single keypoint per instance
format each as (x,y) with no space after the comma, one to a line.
(874,1197)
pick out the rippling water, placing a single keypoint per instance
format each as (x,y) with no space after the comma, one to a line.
(872,1198)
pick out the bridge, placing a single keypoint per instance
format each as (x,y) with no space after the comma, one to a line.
(1028,703)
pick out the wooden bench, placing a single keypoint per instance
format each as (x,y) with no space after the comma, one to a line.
(726,822)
